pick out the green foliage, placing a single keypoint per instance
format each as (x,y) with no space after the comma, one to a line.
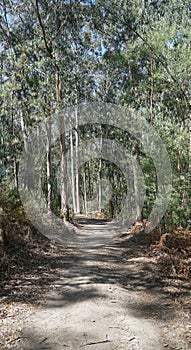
(133,53)
(9,197)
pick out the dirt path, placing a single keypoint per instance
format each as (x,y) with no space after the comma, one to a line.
(108,297)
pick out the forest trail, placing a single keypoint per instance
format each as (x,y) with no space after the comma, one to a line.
(107,297)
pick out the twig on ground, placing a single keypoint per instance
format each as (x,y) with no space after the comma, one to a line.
(94,343)
(42,341)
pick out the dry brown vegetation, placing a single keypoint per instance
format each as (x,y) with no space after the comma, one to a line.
(173,251)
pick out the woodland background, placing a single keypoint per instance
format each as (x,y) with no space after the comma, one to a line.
(56,54)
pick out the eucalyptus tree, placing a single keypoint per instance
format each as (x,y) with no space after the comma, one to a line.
(56,54)
(151,40)
(48,55)
(15,89)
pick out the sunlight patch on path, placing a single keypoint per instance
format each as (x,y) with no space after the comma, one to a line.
(102,321)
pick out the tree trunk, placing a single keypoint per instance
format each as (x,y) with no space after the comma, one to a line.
(72,172)
(3,147)
(63,175)
(76,168)
(64,192)
(28,183)
(90,187)
(100,179)
(151,91)
(99,186)
(136,189)
(64,199)
(190,143)
(85,194)
(48,164)
(15,163)
(16,181)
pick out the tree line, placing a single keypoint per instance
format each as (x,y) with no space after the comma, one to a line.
(136,54)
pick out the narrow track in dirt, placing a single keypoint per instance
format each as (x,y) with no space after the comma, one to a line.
(108,296)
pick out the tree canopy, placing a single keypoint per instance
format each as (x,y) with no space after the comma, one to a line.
(136,54)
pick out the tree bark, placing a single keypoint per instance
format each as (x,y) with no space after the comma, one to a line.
(29,179)
(76,168)
(64,189)
(54,57)
(190,143)
(48,164)
(99,186)
(85,193)
(63,175)
(15,162)
(72,172)
(151,91)
(136,189)
(100,178)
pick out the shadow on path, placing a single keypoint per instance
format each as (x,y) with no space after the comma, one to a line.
(100,283)
(123,261)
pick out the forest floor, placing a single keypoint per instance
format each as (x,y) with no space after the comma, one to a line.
(97,293)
